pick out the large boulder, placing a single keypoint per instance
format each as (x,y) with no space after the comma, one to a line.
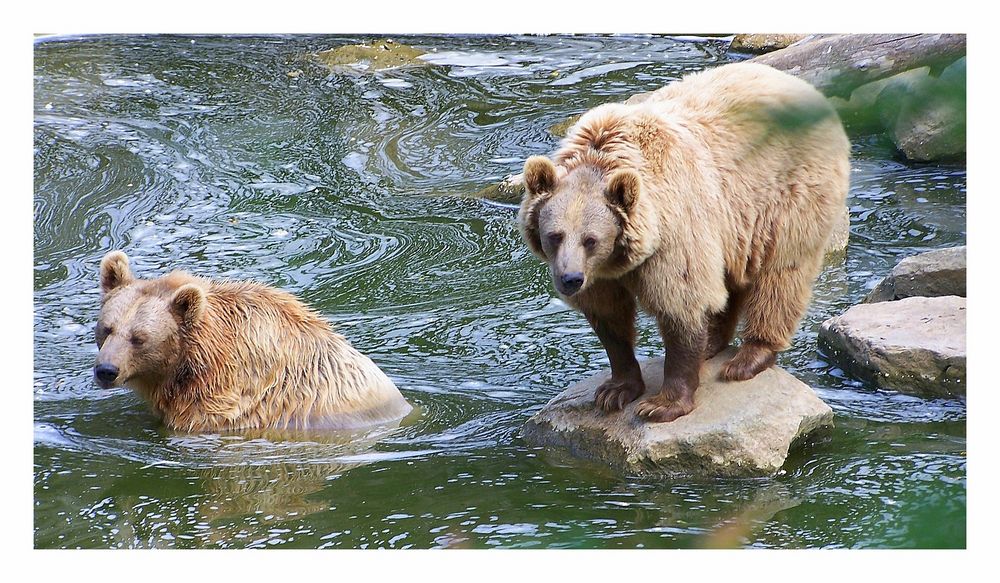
(736,429)
(860,110)
(914,345)
(935,273)
(924,113)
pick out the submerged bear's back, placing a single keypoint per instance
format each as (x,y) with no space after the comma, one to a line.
(239,304)
(280,364)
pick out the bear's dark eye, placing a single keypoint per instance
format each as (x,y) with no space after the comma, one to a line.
(101,334)
(555,239)
(589,243)
(137,339)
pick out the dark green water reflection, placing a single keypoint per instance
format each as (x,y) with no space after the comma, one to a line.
(203,153)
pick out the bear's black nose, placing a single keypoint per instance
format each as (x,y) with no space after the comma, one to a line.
(106,373)
(571,282)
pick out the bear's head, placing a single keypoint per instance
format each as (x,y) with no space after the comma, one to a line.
(582,222)
(141,324)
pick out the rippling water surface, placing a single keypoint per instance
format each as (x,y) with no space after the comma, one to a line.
(350,189)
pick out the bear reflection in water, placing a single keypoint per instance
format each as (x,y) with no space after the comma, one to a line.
(247,483)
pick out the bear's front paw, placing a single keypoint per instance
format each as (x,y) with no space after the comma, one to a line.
(661,409)
(614,394)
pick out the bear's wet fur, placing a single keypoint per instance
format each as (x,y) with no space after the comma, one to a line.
(214,356)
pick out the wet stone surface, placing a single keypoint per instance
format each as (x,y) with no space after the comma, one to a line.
(935,273)
(736,429)
(914,345)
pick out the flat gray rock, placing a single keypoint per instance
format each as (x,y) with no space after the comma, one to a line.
(736,429)
(914,345)
(935,273)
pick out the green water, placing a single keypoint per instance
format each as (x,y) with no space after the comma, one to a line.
(344,187)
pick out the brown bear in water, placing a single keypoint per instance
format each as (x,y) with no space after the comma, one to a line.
(712,199)
(220,355)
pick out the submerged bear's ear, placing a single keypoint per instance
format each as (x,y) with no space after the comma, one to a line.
(539,175)
(623,189)
(188,303)
(115,271)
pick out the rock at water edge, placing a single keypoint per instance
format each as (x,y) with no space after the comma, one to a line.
(736,429)
(935,273)
(913,345)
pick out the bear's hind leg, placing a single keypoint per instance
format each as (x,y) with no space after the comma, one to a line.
(611,310)
(722,326)
(685,351)
(775,302)
(752,358)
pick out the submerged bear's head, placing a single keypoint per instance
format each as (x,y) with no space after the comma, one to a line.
(141,324)
(576,220)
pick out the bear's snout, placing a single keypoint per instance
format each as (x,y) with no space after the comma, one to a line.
(105,374)
(570,283)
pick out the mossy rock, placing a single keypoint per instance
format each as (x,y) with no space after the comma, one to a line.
(763,43)
(510,190)
(376,55)
(923,113)
(560,129)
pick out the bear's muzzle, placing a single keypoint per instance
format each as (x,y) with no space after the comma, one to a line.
(570,283)
(105,375)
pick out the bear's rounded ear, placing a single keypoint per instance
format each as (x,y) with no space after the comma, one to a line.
(539,175)
(623,189)
(188,303)
(115,271)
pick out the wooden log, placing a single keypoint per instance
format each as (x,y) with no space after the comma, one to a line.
(838,64)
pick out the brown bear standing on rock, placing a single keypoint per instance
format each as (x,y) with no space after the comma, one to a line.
(711,200)
(220,355)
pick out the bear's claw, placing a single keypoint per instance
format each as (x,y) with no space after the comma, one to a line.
(661,409)
(614,395)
